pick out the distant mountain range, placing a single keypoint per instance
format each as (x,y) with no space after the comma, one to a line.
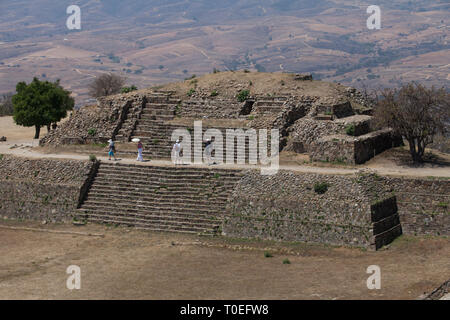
(152,42)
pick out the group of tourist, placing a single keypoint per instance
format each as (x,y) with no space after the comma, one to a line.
(176,151)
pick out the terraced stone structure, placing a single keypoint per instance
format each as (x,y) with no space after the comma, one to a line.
(187,199)
(325,127)
(336,126)
(363,210)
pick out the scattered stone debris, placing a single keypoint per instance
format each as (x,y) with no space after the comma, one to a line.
(441,293)
(303,77)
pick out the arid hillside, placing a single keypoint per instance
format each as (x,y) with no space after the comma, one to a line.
(154,42)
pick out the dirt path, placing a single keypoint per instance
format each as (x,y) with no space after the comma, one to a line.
(25,149)
(20,144)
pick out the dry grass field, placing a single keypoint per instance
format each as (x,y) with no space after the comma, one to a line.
(130,264)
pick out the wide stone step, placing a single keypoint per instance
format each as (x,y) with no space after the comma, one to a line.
(159,111)
(201,218)
(107,167)
(155,215)
(178,201)
(159,174)
(156,223)
(161,210)
(161,184)
(162,198)
(159,188)
(187,170)
(154,203)
(163,194)
(174,173)
(152,174)
(161,227)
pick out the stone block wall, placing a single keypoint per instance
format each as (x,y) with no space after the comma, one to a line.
(336,148)
(423,203)
(287,207)
(371,144)
(42,189)
(353,150)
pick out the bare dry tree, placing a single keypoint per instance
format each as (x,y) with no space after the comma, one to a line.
(106,84)
(6,105)
(416,113)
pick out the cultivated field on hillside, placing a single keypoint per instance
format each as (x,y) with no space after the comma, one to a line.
(171,40)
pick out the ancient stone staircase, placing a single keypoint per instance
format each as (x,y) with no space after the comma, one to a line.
(269,105)
(151,127)
(182,199)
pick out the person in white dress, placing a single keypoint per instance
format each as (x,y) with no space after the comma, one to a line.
(176,152)
(208,150)
(140,149)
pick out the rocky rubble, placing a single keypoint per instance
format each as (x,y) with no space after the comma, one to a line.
(44,170)
(93,123)
(308,130)
(359,97)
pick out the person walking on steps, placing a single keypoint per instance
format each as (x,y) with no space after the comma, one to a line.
(176,152)
(112,150)
(140,150)
(208,150)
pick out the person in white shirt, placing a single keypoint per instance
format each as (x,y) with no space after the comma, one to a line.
(208,150)
(176,152)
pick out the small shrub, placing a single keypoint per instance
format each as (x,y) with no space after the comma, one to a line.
(191,77)
(1,157)
(350,130)
(250,83)
(92,157)
(321,187)
(282,82)
(178,108)
(440,204)
(215,70)
(246,71)
(92,132)
(191,92)
(243,95)
(267,254)
(252,117)
(286,261)
(100,145)
(214,93)
(128,89)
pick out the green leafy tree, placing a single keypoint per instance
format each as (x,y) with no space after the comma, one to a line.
(40,103)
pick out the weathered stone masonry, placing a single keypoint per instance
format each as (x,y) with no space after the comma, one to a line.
(363,210)
(42,189)
(354,210)
(424,204)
